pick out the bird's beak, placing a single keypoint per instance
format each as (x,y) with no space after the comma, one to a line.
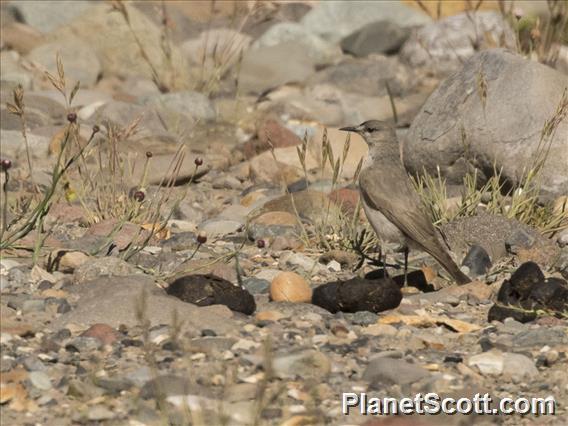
(349,129)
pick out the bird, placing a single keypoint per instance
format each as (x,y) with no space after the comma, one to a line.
(392,205)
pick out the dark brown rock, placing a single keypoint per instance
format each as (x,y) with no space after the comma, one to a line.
(526,292)
(358,294)
(102,332)
(271,133)
(205,290)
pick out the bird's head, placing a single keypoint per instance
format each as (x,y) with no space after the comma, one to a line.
(380,137)
(371,130)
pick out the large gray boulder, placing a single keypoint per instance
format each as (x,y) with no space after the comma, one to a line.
(268,67)
(459,126)
(334,20)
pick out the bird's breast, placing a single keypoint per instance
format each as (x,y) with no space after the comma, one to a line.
(384,228)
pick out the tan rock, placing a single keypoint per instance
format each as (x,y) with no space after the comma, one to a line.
(66,261)
(290,287)
(251,198)
(429,274)
(52,292)
(20,37)
(276,218)
(269,316)
(561,205)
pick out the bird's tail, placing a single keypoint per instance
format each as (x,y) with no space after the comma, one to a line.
(449,265)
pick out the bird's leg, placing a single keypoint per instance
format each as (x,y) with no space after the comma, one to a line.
(406,266)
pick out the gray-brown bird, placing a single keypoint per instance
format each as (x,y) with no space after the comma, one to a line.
(391,204)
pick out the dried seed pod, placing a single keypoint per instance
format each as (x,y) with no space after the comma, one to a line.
(202,237)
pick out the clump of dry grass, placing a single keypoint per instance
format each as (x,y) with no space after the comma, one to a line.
(97,174)
(34,208)
(338,226)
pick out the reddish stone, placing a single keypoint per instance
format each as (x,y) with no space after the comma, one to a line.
(127,233)
(103,332)
(271,132)
(67,212)
(345,198)
(550,321)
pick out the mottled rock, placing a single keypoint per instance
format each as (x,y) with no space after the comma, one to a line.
(256,285)
(101,267)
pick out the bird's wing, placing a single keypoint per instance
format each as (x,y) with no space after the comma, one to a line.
(397,200)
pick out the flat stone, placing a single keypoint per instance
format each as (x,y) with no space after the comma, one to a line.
(99,413)
(40,380)
(489,363)
(113,301)
(519,367)
(263,68)
(220,227)
(388,371)
(79,59)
